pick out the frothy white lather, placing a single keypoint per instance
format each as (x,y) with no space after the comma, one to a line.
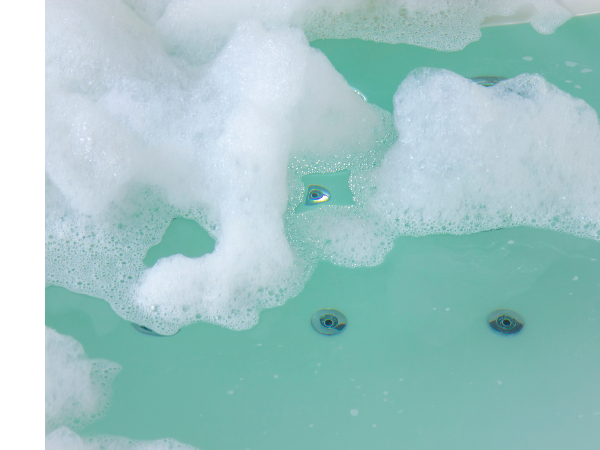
(77,388)
(196,30)
(446,25)
(77,392)
(65,439)
(213,141)
(471,158)
(468,158)
(179,108)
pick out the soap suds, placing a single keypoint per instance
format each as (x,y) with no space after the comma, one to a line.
(77,392)
(77,388)
(64,439)
(197,31)
(445,25)
(489,144)
(139,138)
(469,158)
(165,109)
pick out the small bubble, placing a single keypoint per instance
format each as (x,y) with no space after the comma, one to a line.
(447,309)
(570,63)
(575,278)
(511,242)
(275,376)
(586,70)
(354,412)
(568,81)
(374,425)
(527,58)
(230,392)
(499,382)
(310,425)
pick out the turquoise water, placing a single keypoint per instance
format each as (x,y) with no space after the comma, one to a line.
(417,362)
(377,69)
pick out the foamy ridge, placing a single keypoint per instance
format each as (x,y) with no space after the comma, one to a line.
(212,142)
(471,158)
(445,25)
(197,29)
(77,392)
(77,388)
(468,159)
(64,439)
(162,109)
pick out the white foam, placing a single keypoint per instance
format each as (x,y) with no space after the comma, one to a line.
(177,108)
(214,143)
(64,439)
(77,388)
(468,158)
(471,158)
(77,392)
(197,30)
(446,25)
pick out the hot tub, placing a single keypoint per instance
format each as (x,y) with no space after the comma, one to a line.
(417,365)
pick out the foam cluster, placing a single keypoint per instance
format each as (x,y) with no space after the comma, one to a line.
(470,158)
(445,25)
(196,30)
(64,439)
(137,136)
(213,111)
(77,393)
(77,388)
